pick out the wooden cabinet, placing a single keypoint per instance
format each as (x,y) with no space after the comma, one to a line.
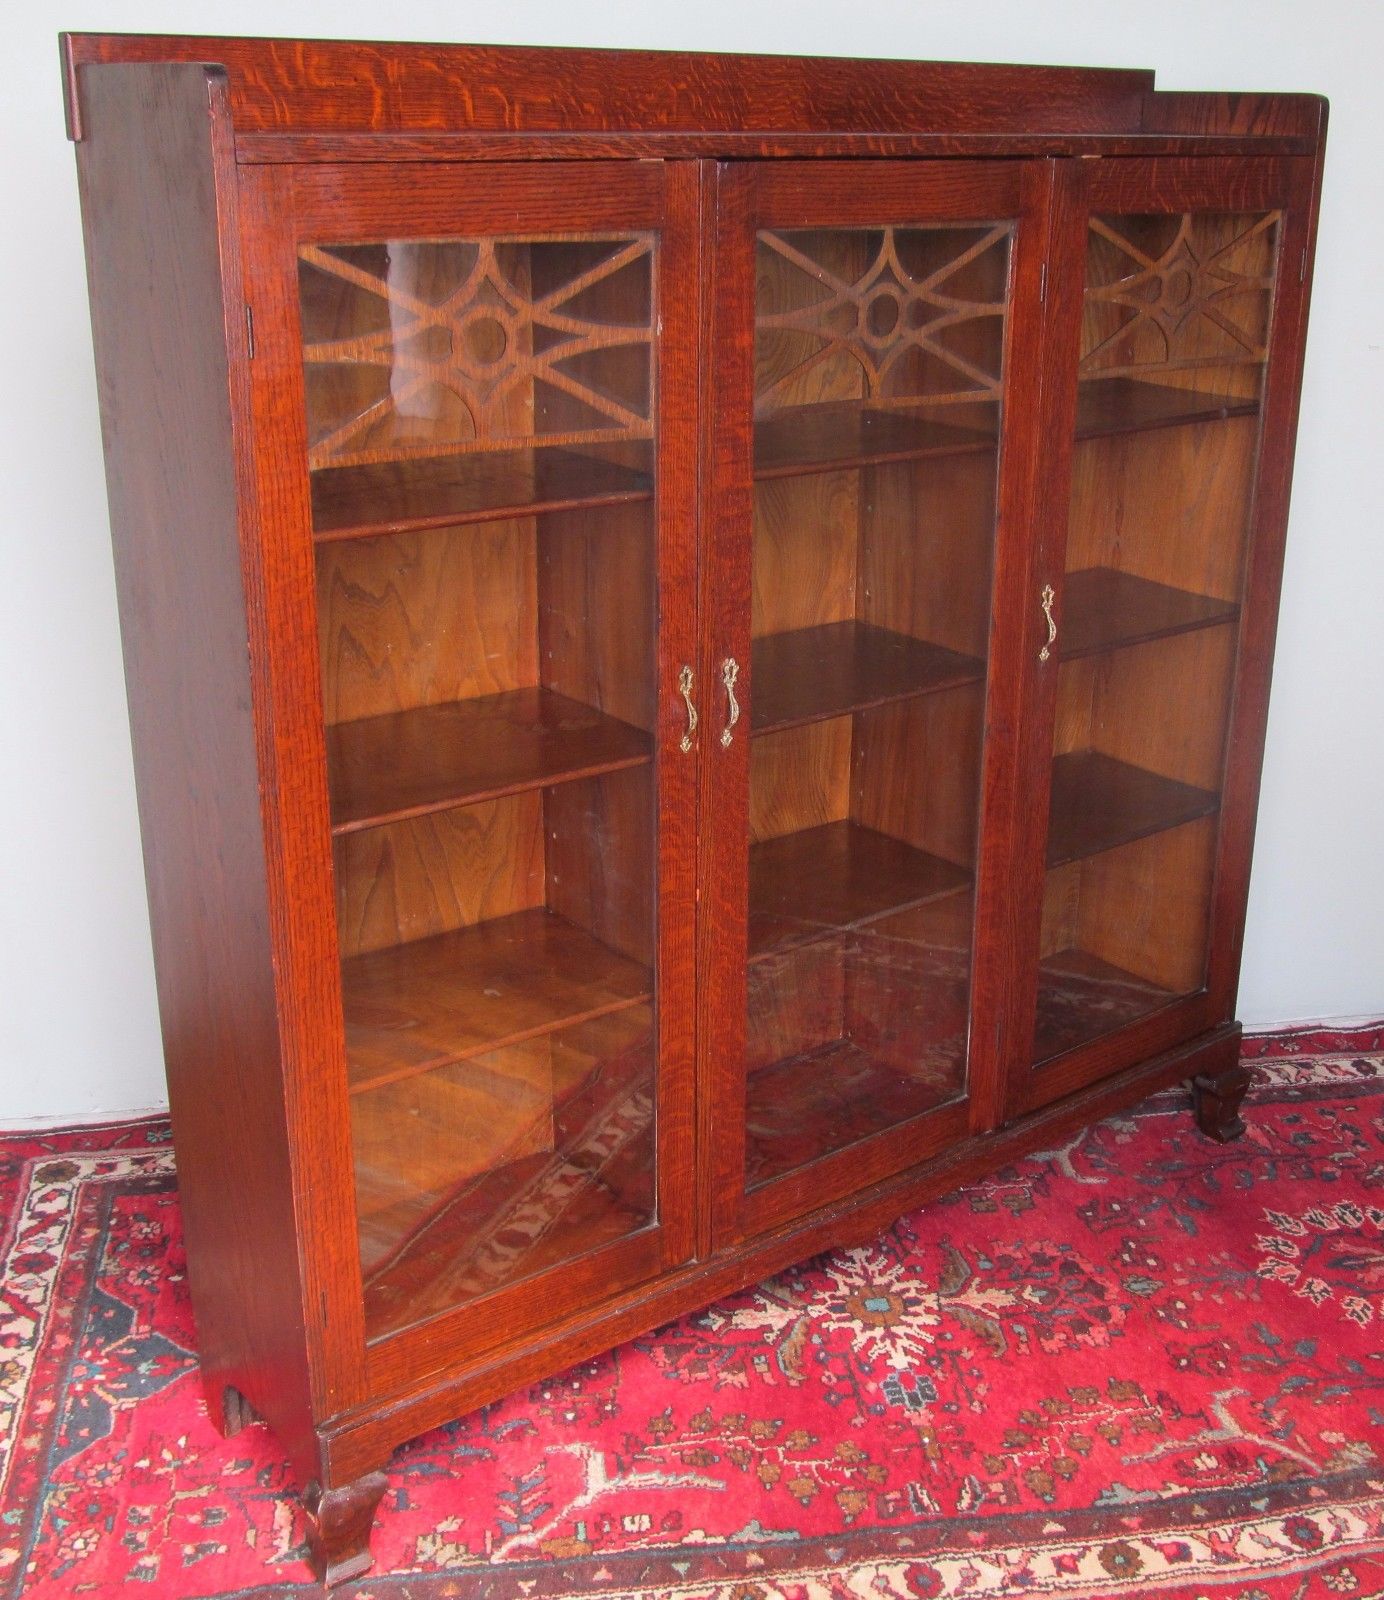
(698,633)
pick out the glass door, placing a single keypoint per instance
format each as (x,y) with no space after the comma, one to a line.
(855,558)
(502,612)
(1146,613)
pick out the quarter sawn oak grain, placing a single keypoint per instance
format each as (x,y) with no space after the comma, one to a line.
(455,941)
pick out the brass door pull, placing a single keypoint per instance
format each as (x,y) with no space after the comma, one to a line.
(730,671)
(1048,596)
(685,690)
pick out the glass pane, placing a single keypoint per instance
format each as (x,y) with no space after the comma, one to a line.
(878,388)
(1174,341)
(480,421)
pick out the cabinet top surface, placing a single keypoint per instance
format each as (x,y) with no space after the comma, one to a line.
(287,91)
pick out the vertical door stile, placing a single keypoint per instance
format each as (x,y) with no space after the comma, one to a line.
(708,174)
(1029,688)
(317,1100)
(1012,816)
(1263,580)
(728,399)
(677,348)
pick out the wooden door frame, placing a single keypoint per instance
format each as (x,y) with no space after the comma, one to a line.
(747,196)
(1167,185)
(323,202)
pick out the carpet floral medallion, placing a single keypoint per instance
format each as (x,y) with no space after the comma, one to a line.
(1140,1364)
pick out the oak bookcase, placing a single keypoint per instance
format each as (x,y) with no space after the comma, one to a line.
(698,633)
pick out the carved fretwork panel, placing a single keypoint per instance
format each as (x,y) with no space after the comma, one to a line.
(424,347)
(1167,295)
(890,315)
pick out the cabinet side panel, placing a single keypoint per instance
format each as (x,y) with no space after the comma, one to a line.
(157,190)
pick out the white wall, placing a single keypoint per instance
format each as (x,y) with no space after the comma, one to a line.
(78,1028)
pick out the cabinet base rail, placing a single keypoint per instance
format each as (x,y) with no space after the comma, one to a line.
(340,1502)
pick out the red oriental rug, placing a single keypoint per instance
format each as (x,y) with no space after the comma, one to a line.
(1141,1364)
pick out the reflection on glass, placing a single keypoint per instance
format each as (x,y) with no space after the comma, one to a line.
(480,434)
(878,386)
(1174,341)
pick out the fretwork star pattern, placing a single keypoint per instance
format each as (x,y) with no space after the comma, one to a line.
(1199,298)
(447,346)
(914,326)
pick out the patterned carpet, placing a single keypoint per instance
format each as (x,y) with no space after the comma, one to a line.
(1142,1364)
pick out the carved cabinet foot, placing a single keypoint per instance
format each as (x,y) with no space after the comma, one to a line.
(339,1527)
(1216,1100)
(227,1408)
(236,1411)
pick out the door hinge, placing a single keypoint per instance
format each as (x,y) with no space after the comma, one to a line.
(249,331)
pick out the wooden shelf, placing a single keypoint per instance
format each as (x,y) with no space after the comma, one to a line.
(810,674)
(1098,803)
(406,763)
(834,437)
(1081,997)
(413,1007)
(442,491)
(807,885)
(812,1105)
(1104,610)
(1125,405)
(825,438)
